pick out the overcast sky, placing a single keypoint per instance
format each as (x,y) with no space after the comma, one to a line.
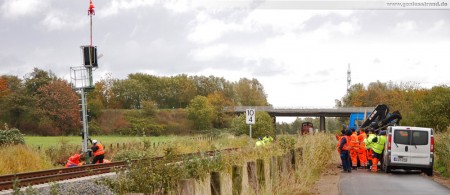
(300,56)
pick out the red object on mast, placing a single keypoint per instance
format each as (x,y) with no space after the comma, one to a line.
(91,10)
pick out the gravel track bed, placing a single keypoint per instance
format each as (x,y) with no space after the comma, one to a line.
(86,185)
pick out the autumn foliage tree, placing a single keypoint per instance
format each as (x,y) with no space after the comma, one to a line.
(59,103)
(251,93)
(220,102)
(201,113)
(418,106)
(433,108)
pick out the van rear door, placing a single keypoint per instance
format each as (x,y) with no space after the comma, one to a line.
(420,146)
(400,148)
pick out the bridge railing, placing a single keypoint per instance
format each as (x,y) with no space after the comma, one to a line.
(271,108)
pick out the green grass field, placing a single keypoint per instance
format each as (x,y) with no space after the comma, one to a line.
(46,141)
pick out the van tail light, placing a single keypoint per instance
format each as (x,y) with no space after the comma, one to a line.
(389,141)
(432,144)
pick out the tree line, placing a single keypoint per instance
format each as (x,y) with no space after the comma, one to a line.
(418,106)
(43,104)
(40,103)
(173,92)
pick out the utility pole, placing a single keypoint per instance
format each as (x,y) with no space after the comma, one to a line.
(82,81)
(349,78)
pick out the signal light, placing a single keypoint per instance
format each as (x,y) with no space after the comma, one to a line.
(89,56)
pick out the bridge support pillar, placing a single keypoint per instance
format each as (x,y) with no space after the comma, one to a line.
(322,123)
(274,120)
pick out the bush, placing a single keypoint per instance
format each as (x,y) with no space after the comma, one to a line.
(175,121)
(11,136)
(60,154)
(442,147)
(123,155)
(162,176)
(140,124)
(286,142)
(262,126)
(201,113)
(112,121)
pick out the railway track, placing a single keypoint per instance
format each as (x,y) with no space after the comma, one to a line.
(40,177)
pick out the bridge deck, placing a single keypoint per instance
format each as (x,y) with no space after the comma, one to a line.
(304,112)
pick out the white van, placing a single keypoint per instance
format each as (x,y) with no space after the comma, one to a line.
(409,148)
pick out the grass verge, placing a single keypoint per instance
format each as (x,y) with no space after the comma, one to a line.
(20,158)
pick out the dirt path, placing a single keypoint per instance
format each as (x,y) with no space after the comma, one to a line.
(442,180)
(329,180)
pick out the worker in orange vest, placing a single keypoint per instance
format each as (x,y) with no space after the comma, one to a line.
(354,144)
(339,139)
(73,161)
(345,147)
(362,152)
(99,153)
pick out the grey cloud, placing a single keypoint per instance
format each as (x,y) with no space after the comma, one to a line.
(264,67)
(249,38)
(161,39)
(317,21)
(11,61)
(310,82)
(323,72)
(379,23)
(170,55)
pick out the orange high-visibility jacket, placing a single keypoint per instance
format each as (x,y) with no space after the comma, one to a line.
(346,146)
(339,138)
(73,160)
(361,138)
(100,150)
(354,142)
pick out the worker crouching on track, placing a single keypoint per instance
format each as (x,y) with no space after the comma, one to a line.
(73,161)
(99,153)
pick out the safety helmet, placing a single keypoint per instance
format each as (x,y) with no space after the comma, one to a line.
(94,141)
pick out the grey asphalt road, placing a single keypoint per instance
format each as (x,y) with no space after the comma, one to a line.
(400,182)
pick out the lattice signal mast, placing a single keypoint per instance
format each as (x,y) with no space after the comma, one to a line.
(349,78)
(82,81)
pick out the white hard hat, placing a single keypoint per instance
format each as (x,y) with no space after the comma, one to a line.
(94,141)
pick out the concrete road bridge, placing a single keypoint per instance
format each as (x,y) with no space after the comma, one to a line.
(303,112)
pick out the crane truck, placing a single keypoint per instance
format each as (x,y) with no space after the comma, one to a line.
(377,119)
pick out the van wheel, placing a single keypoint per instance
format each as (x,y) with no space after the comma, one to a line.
(387,169)
(429,171)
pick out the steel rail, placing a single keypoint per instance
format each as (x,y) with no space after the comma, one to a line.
(40,177)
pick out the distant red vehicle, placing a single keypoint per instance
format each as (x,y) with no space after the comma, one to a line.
(307,128)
